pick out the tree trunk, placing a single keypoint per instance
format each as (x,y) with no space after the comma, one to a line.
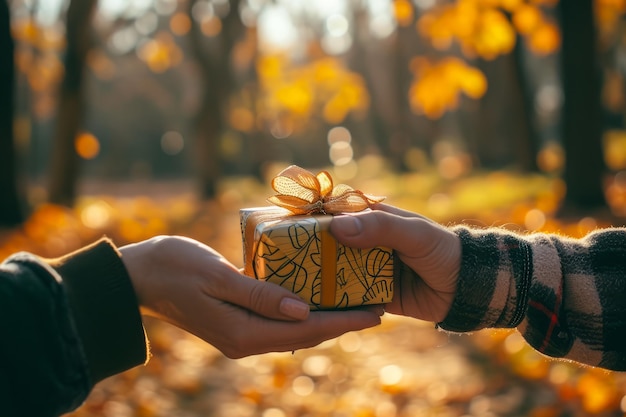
(582,128)
(505,136)
(10,208)
(527,144)
(65,161)
(214,61)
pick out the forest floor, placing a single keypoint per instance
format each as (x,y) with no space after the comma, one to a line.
(399,369)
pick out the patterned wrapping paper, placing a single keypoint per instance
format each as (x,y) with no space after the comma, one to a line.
(298,252)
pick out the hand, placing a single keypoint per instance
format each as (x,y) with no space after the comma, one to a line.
(430,254)
(190,285)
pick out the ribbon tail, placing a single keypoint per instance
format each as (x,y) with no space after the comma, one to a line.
(328,249)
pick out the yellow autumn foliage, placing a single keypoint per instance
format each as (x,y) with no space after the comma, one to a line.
(483,28)
(545,39)
(403,12)
(526,18)
(323,86)
(161,53)
(437,86)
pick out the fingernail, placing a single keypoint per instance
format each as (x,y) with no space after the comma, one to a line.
(349,225)
(295,309)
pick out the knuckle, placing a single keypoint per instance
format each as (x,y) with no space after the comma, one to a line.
(257,297)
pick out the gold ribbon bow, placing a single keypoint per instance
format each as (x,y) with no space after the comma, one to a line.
(301,192)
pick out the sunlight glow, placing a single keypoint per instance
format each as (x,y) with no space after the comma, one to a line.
(47,12)
(382,22)
(337,25)
(276,29)
(96,215)
(336,45)
(130,9)
(390,375)
(382,26)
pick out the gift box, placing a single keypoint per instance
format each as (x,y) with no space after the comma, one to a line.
(298,252)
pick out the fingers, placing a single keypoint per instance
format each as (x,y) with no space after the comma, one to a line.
(264,298)
(264,336)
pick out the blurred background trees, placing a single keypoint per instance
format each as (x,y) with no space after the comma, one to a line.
(10,204)
(208,89)
(145,117)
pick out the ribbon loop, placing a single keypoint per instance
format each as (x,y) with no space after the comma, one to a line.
(301,192)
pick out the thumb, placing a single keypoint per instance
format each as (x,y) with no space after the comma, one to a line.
(407,235)
(265,299)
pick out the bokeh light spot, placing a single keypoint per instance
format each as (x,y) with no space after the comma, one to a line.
(415,159)
(350,342)
(172,142)
(535,219)
(586,225)
(180,24)
(303,385)
(87,145)
(439,204)
(337,25)
(274,412)
(339,134)
(551,158)
(202,10)
(340,153)
(338,373)
(147,23)
(316,365)
(211,26)
(390,375)
(96,215)
(514,343)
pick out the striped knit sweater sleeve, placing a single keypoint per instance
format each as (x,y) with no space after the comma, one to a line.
(567,297)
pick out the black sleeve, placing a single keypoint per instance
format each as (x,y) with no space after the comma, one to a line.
(65,324)
(43,367)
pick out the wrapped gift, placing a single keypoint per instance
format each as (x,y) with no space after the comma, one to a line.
(290,244)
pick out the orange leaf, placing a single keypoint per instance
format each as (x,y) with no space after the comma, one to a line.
(545,39)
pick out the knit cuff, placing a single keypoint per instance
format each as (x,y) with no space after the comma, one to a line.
(104,307)
(494,279)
